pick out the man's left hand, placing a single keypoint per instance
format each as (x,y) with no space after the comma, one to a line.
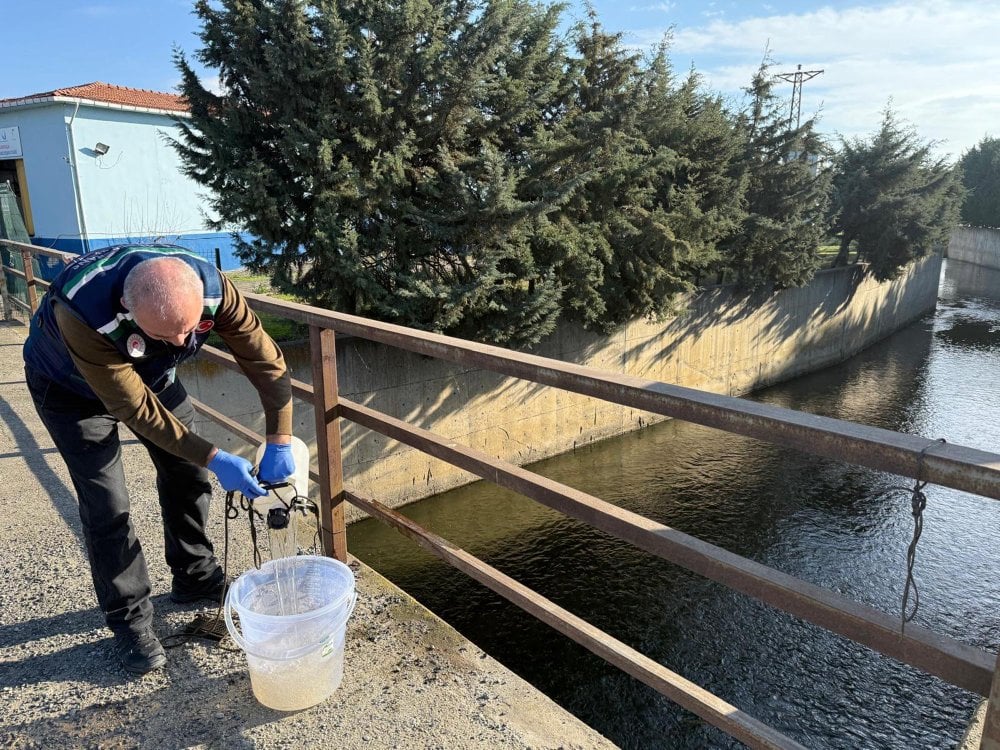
(277,463)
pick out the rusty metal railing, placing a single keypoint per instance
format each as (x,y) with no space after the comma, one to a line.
(10,300)
(949,465)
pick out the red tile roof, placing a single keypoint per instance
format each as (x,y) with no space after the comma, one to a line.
(108,93)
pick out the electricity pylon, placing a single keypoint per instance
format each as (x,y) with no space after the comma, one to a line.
(797,79)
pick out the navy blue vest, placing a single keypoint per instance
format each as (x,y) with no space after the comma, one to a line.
(91,287)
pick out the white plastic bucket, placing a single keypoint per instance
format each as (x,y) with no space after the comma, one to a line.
(296,660)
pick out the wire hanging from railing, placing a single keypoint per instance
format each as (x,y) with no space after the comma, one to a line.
(918,503)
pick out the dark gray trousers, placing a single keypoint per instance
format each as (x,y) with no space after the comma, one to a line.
(87,438)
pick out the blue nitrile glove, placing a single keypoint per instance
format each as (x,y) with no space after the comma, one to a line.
(234,474)
(277,463)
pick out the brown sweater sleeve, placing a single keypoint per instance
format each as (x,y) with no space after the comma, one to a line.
(122,391)
(258,356)
(126,397)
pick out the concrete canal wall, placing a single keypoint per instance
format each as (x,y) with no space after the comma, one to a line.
(979,245)
(724,343)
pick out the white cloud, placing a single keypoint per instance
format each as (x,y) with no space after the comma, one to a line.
(655,7)
(938,61)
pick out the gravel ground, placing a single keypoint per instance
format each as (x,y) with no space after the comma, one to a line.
(410,681)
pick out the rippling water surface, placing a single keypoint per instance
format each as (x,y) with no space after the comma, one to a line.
(820,520)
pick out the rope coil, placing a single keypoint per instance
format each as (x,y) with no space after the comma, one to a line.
(918,503)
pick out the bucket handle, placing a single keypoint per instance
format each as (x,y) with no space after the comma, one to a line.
(294,653)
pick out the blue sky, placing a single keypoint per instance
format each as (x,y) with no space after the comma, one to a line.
(938,60)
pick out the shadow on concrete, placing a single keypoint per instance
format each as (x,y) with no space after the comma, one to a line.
(66,623)
(62,496)
(190,709)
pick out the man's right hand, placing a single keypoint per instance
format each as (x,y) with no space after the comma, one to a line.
(234,474)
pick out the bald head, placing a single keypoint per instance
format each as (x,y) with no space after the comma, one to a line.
(165,297)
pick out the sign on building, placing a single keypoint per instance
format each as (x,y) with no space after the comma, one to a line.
(10,143)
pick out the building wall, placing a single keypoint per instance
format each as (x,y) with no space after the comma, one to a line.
(979,245)
(136,192)
(726,343)
(47,170)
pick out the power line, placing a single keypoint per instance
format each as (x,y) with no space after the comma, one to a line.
(797,79)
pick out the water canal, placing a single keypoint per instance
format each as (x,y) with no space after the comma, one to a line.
(820,520)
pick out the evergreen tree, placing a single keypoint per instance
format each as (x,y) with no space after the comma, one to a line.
(596,144)
(698,190)
(638,276)
(382,154)
(892,199)
(980,167)
(787,193)
(650,204)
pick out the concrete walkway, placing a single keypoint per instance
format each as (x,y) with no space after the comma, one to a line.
(410,680)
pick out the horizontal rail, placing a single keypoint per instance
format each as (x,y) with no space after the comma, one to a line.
(23,305)
(944,657)
(949,465)
(23,275)
(685,693)
(962,665)
(60,254)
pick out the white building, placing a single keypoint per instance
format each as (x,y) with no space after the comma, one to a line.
(92,167)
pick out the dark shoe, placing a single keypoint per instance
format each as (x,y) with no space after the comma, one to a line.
(139,651)
(212,589)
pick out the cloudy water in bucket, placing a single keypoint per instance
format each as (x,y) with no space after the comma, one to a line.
(296,659)
(297,683)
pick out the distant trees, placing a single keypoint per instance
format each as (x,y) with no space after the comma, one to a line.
(653,157)
(458,166)
(595,142)
(786,197)
(893,200)
(980,167)
(698,191)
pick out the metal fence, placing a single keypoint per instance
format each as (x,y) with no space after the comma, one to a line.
(949,465)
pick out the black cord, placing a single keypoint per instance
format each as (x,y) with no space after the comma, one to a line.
(211,628)
(918,502)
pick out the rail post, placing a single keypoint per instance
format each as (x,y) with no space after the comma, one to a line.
(991,723)
(6,307)
(331,471)
(29,279)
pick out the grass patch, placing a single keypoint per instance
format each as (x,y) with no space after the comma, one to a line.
(243,278)
(283,329)
(278,328)
(244,275)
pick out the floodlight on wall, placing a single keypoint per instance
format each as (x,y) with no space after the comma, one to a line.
(101,148)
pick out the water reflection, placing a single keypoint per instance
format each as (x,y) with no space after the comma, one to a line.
(828,523)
